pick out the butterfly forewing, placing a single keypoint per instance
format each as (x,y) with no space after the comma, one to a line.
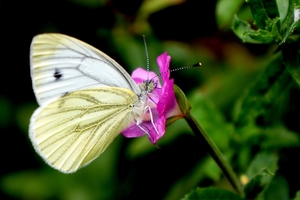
(71,131)
(61,64)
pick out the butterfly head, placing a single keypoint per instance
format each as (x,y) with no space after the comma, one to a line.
(148,86)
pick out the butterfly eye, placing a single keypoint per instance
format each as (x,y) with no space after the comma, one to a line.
(151,85)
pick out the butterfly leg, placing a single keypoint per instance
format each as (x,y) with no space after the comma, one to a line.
(144,130)
(152,121)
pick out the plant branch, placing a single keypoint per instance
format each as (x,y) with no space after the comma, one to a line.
(215,153)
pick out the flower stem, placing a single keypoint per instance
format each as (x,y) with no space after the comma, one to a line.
(215,153)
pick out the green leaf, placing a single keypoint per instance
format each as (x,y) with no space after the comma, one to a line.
(149,7)
(242,29)
(282,8)
(261,174)
(278,137)
(291,58)
(259,13)
(260,35)
(271,8)
(257,184)
(291,21)
(263,94)
(278,189)
(225,11)
(211,193)
(297,197)
(261,162)
(266,16)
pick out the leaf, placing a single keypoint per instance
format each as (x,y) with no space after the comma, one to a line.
(271,8)
(291,21)
(263,94)
(211,193)
(279,137)
(149,7)
(262,11)
(262,161)
(266,17)
(257,184)
(259,13)
(282,8)
(278,189)
(225,11)
(242,29)
(261,174)
(297,197)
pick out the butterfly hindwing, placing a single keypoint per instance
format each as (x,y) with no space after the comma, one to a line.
(71,131)
(62,64)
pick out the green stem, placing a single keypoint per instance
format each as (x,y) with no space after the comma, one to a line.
(215,153)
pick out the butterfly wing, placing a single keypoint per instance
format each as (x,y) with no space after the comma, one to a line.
(61,64)
(71,131)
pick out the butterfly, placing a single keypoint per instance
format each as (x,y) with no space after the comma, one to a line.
(85,100)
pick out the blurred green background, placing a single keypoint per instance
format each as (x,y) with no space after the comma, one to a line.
(190,31)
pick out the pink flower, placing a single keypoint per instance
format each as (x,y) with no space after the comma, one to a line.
(161,101)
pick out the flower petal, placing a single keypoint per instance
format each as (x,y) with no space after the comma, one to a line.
(141,75)
(163,62)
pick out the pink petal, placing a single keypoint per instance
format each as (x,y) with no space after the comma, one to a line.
(163,62)
(140,75)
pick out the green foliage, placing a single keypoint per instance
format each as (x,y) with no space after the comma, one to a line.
(277,189)
(247,34)
(266,18)
(225,11)
(273,25)
(291,21)
(257,184)
(297,197)
(262,95)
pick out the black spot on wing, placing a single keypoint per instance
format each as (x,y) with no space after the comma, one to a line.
(57,74)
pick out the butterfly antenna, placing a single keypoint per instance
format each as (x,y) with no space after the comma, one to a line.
(147,55)
(186,67)
(180,68)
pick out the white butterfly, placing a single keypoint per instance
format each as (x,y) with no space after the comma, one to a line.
(86,99)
